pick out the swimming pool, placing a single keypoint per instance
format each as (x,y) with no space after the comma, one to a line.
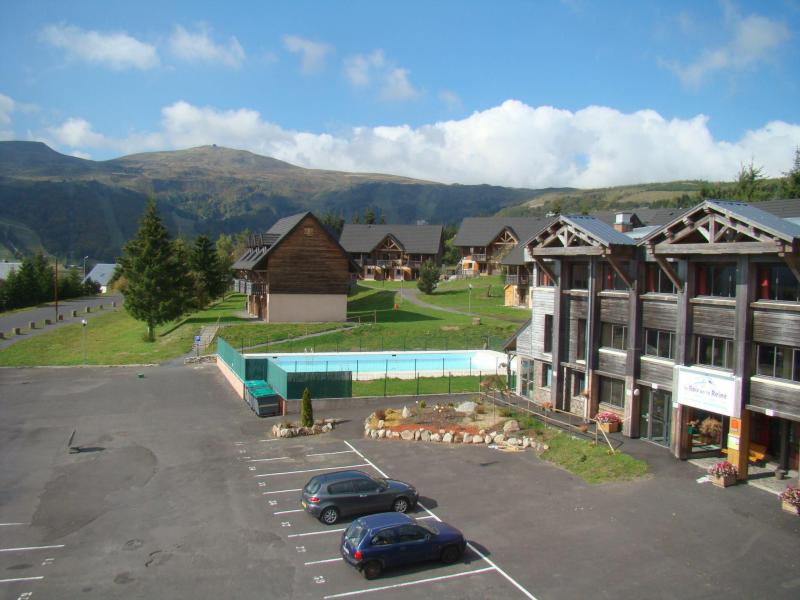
(403,365)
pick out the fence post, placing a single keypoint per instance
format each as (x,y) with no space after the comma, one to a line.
(450,382)
(385,377)
(381,343)
(442,366)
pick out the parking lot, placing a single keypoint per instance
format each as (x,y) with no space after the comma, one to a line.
(179,492)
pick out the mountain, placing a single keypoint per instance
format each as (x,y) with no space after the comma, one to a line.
(74,207)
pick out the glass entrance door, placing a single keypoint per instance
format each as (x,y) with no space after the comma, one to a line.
(655,415)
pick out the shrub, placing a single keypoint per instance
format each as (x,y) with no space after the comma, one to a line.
(306,410)
(506,412)
(480,409)
(380,414)
(422,404)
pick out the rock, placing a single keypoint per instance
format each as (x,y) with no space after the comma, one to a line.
(327,427)
(512,441)
(406,413)
(487,439)
(417,435)
(407,435)
(482,432)
(436,437)
(373,434)
(526,443)
(448,438)
(381,424)
(466,407)
(477,439)
(425,436)
(441,432)
(511,426)
(331,421)
(457,438)
(499,438)
(467,438)
(381,433)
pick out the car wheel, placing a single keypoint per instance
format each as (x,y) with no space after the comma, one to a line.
(372,569)
(329,516)
(400,505)
(451,554)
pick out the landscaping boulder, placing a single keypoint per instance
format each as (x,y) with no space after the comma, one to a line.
(373,434)
(512,441)
(406,413)
(407,435)
(436,437)
(467,438)
(511,426)
(425,436)
(381,423)
(381,433)
(448,438)
(499,438)
(487,439)
(477,439)
(466,407)
(526,442)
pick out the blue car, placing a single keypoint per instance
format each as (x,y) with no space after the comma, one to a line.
(385,540)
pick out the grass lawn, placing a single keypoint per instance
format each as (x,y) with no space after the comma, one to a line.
(487,298)
(592,463)
(409,387)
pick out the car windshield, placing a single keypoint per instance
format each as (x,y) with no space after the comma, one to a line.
(355,532)
(429,527)
(312,486)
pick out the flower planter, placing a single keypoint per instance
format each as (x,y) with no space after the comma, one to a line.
(789,507)
(725,481)
(609,427)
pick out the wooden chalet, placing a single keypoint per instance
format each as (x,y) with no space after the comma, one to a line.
(690,331)
(393,252)
(295,272)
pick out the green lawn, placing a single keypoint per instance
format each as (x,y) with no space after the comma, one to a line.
(410,387)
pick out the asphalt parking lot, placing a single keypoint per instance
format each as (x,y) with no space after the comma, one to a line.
(177,495)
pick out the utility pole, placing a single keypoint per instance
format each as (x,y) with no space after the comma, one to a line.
(83,325)
(55,289)
(84,267)
(469,299)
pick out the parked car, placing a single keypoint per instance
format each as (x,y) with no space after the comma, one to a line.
(376,542)
(334,495)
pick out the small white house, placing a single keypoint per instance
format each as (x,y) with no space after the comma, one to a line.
(101,273)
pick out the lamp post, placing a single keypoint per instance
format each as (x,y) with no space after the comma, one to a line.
(469,299)
(83,326)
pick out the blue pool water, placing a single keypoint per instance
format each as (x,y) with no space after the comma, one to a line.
(391,362)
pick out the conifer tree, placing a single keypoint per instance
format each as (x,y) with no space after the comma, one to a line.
(205,266)
(428,277)
(156,275)
(306,410)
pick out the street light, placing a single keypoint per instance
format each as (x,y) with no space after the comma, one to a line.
(469,300)
(83,326)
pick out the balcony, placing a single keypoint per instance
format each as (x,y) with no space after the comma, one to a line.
(517,280)
(242,286)
(479,257)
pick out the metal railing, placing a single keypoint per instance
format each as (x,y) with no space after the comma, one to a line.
(243,286)
(479,257)
(517,280)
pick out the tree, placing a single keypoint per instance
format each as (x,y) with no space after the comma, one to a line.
(369,216)
(428,277)
(225,259)
(748,181)
(791,183)
(156,274)
(205,265)
(333,221)
(306,410)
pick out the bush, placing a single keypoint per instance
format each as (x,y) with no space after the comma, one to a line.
(380,414)
(422,404)
(480,409)
(306,410)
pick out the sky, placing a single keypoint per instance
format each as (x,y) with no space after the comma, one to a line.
(533,94)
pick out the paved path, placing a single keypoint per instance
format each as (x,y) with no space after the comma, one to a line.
(47,311)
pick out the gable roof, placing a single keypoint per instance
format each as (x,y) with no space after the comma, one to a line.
(784,208)
(481,231)
(101,273)
(415,239)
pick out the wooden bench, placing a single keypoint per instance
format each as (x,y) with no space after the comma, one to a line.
(757,453)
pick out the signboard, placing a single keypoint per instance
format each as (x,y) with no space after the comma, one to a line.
(707,390)
(197,340)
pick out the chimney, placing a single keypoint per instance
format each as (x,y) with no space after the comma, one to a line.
(623,221)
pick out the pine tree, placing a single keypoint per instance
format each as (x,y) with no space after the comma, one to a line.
(155,272)
(369,216)
(428,277)
(306,410)
(205,266)
(225,257)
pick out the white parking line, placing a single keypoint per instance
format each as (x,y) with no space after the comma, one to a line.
(268,459)
(22,579)
(282,491)
(508,577)
(31,548)
(312,470)
(271,440)
(329,453)
(11,524)
(286,512)
(322,562)
(408,583)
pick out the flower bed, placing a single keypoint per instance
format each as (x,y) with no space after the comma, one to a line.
(290,430)
(723,474)
(608,421)
(790,500)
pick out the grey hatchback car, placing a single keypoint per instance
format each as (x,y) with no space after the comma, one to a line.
(341,493)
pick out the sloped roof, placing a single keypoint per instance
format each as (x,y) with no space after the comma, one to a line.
(784,208)
(600,230)
(644,216)
(7,267)
(481,231)
(516,256)
(102,273)
(261,244)
(415,239)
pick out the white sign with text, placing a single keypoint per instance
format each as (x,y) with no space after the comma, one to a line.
(707,390)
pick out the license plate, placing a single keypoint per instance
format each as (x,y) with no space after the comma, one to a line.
(303,502)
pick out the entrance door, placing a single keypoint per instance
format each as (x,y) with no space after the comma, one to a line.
(655,415)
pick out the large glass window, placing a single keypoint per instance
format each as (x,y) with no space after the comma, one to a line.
(659,343)
(612,391)
(526,378)
(548,333)
(714,351)
(547,375)
(716,280)
(777,282)
(614,336)
(656,280)
(579,276)
(781,362)
(612,280)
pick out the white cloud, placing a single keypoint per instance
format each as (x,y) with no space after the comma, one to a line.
(754,40)
(512,144)
(362,70)
(6,108)
(450,99)
(198,46)
(312,54)
(116,50)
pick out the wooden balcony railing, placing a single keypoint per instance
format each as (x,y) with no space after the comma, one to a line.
(517,280)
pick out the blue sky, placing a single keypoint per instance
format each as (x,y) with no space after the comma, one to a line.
(527,94)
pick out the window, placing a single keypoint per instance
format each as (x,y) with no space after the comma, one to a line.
(716,280)
(581,340)
(526,378)
(659,343)
(656,280)
(612,391)
(548,333)
(341,487)
(614,336)
(714,352)
(579,276)
(777,282)
(543,279)
(410,533)
(308,231)
(612,280)
(781,362)
(383,538)
(547,375)
(578,383)
(364,485)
